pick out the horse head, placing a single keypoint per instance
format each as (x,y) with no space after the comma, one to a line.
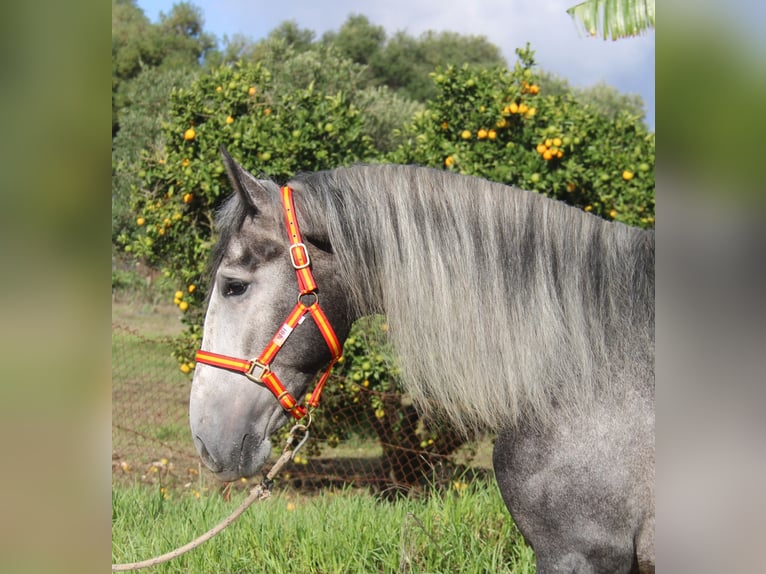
(256,285)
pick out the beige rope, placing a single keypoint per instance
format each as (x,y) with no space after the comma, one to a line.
(259,492)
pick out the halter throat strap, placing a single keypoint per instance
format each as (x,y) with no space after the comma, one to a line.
(259,370)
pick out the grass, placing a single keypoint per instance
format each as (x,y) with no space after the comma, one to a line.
(464,530)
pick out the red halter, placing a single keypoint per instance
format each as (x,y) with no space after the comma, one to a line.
(258,370)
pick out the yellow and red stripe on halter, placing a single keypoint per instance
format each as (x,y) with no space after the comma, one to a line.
(259,370)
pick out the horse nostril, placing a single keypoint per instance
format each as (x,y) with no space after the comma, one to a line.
(206,457)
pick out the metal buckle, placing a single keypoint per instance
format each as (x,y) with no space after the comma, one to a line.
(250,374)
(305,256)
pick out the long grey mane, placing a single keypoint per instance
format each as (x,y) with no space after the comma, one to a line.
(502,304)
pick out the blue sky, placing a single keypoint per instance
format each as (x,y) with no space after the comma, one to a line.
(628,64)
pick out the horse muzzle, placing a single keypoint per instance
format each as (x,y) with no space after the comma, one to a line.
(234,461)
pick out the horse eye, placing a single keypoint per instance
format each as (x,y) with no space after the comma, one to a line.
(234,288)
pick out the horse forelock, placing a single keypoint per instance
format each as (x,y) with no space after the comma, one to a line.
(502,304)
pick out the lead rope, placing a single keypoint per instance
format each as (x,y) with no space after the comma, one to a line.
(259,492)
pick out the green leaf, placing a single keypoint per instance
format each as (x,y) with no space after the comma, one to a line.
(614,19)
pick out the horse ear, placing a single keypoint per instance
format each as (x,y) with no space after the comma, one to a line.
(254,192)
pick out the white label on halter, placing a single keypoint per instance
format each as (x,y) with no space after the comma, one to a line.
(282,334)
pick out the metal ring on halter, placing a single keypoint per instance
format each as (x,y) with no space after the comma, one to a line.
(310,293)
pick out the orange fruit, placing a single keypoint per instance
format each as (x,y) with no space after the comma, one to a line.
(140,221)
(541,148)
(557,142)
(465,134)
(188,197)
(491,134)
(229,120)
(627,175)
(513,108)
(183,305)
(482,134)
(190,134)
(251,91)
(547,155)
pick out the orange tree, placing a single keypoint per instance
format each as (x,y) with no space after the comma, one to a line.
(182,183)
(498,124)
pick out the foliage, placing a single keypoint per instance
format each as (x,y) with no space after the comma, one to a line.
(364,373)
(276,134)
(366,382)
(295,62)
(358,39)
(601,97)
(386,112)
(140,132)
(281,43)
(176,41)
(614,19)
(405,62)
(498,124)
(402,62)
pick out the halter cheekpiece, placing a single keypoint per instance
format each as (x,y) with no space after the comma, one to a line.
(259,370)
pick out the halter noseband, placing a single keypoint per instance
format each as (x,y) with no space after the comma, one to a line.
(259,370)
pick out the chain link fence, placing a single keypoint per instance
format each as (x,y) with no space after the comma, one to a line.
(389,449)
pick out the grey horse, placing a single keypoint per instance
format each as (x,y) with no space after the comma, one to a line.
(514,312)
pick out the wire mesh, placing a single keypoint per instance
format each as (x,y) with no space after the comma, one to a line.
(389,448)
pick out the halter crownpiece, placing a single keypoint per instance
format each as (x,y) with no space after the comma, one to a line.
(259,370)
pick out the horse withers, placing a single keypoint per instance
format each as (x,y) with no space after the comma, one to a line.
(515,312)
